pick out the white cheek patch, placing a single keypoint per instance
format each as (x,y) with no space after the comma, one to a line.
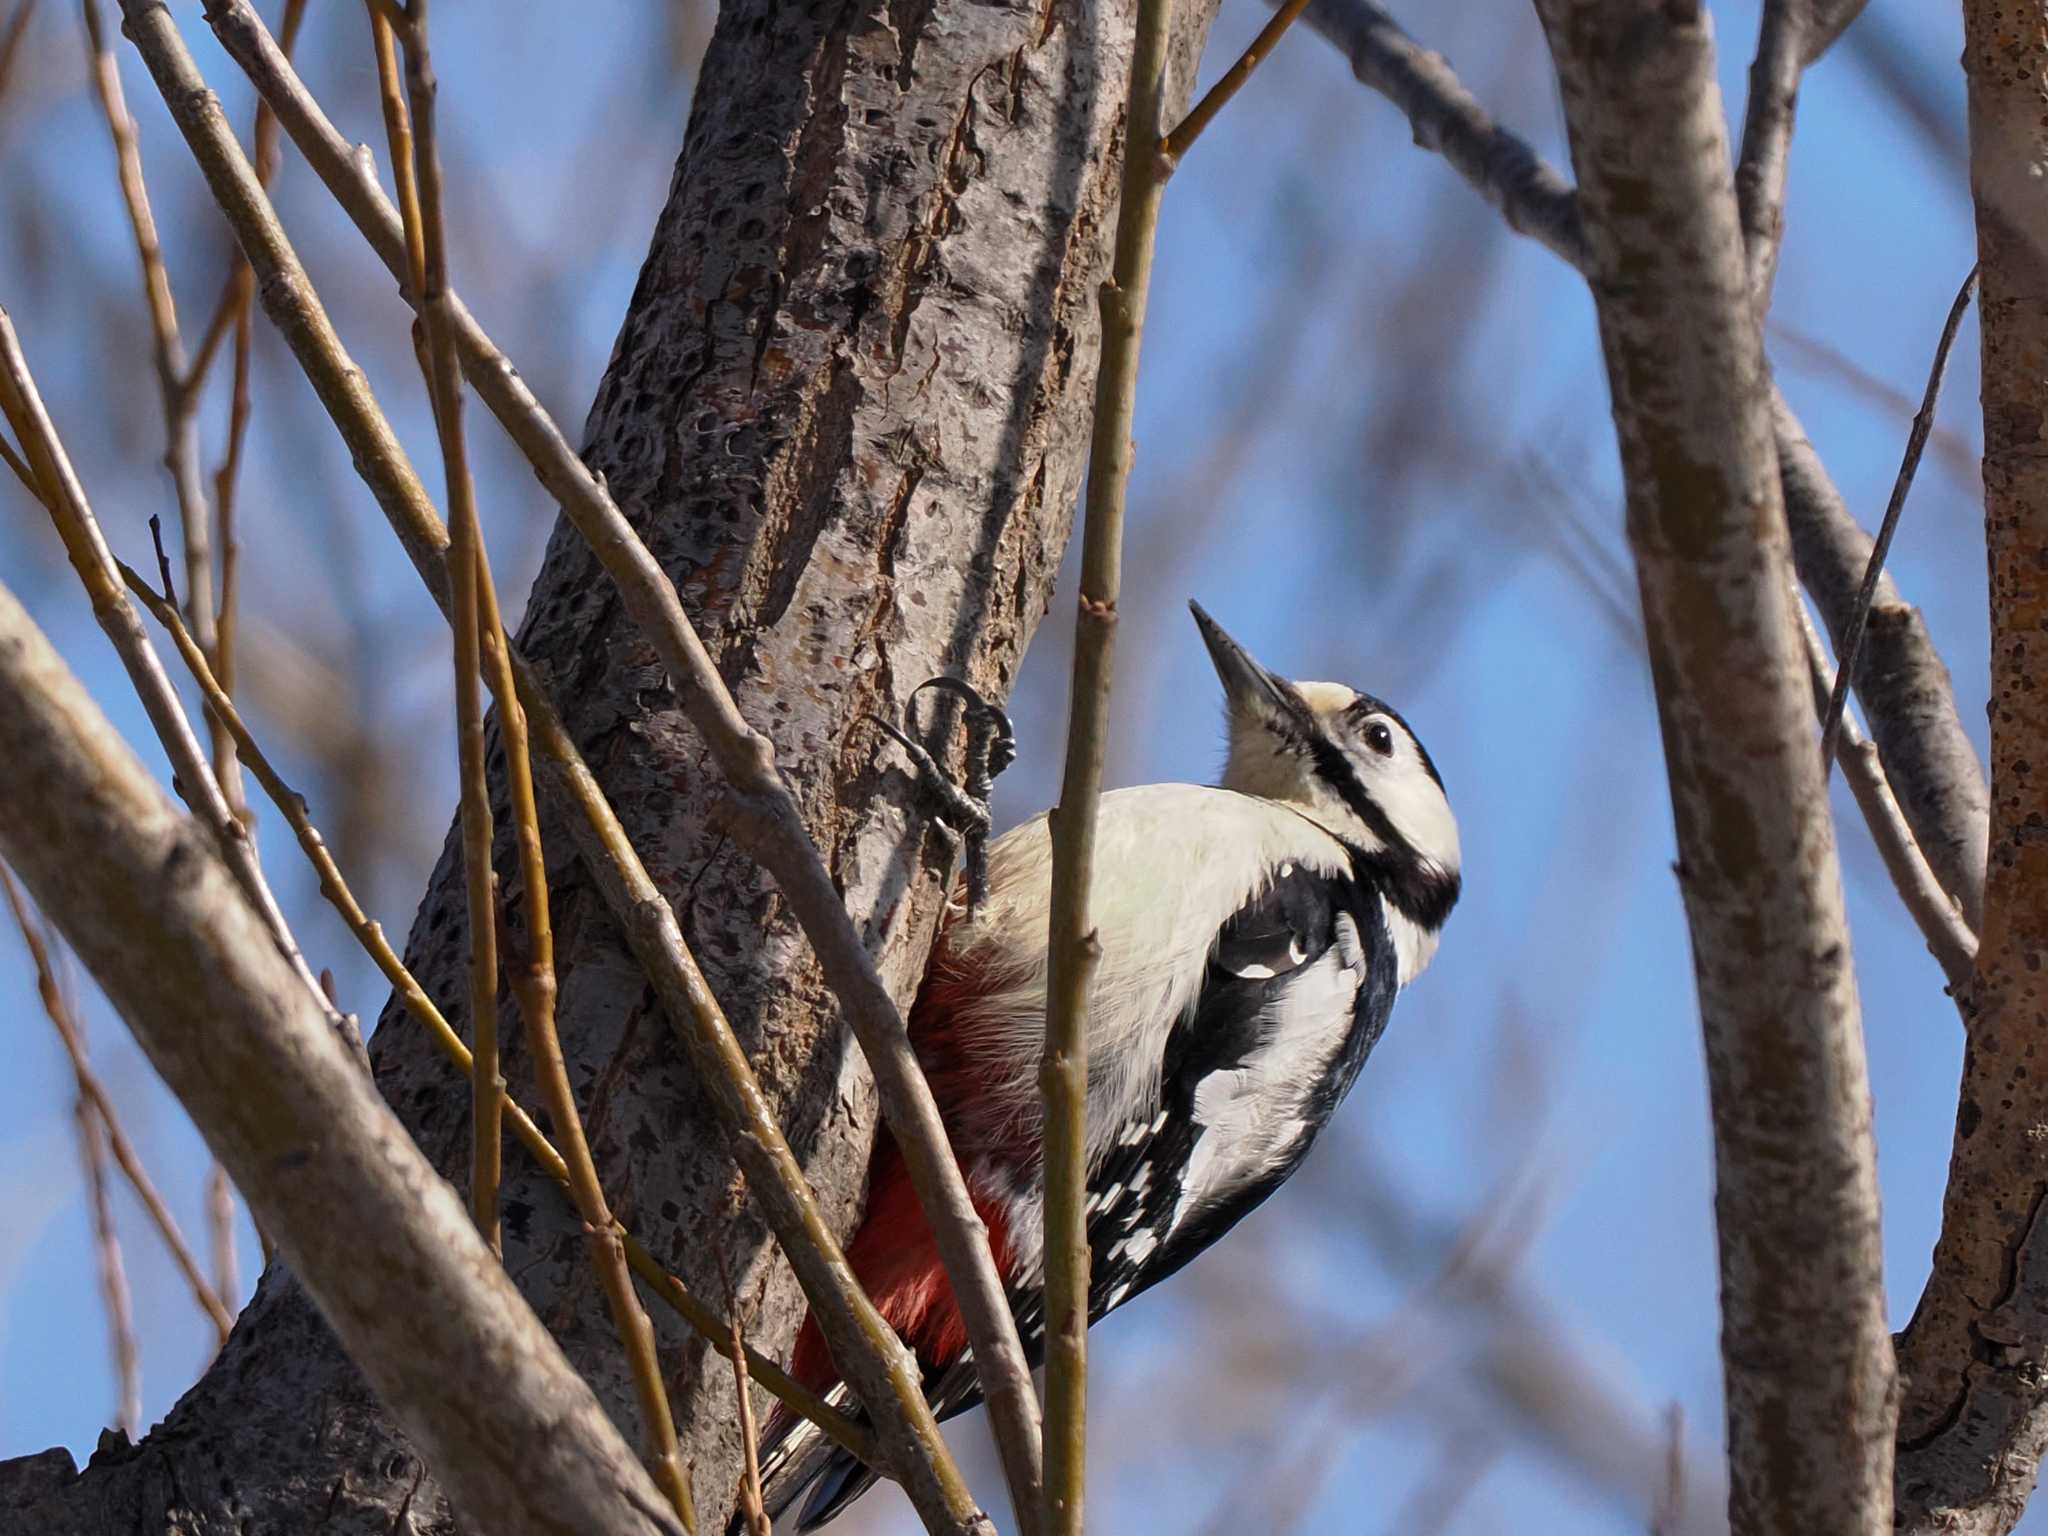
(1416,806)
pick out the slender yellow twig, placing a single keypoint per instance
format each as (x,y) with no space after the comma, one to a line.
(880,1371)
(1175,144)
(398,135)
(476,615)
(1074,949)
(751,1509)
(91,1089)
(370,935)
(233,315)
(465,577)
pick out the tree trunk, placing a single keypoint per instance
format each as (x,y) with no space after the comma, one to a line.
(1973,1426)
(848,411)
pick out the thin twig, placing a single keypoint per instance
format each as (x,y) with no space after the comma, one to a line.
(465,576)
(113,1275)
(1073,946)
(178,382)
(178,386)
(64,497)
(398,136)
(1767,139)
(370,935)
(879,1370)
(751,1510)
(1670,1510)
(1948,934)
(1916,445)
(234,314)
(91,1090)
(475,605)
(10,40)
(1175,144)
(220,1230)
(766,819)
(21,470)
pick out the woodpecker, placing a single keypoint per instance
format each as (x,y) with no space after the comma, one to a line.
(1254,936)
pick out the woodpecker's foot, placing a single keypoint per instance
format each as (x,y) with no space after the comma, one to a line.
(962,809)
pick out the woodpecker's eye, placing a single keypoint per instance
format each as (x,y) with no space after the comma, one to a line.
(1379,738)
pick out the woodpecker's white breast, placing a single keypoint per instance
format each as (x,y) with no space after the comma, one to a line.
(1173,862)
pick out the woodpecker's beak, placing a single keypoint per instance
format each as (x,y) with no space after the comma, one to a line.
(1248,687)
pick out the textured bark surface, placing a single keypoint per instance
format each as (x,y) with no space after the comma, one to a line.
(848,410)
(1806,1354)
(1974,1423)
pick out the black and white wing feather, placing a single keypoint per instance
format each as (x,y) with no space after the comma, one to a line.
(1299,986)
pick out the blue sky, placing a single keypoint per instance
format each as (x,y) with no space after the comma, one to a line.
(1370,421)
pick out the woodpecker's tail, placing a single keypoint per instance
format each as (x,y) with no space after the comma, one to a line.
(799,1462)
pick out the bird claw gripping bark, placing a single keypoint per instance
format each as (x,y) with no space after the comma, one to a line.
(962,809)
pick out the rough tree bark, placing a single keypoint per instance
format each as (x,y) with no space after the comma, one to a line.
(1974,1423)
(1806,1353)
(848,411)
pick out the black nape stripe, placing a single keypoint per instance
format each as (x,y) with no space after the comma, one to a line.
(1420,891)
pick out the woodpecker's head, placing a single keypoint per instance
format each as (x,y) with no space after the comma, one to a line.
(1350,763)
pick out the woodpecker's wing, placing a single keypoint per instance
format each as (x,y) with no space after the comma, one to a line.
(1299,987)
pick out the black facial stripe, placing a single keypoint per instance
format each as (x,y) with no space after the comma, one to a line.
(1335,770)
(1423,893)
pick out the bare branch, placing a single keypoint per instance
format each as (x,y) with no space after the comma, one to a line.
(1916,444)
(285,1106)
(1899,675)
(1073,948)
(94,1093)
(1949,938)
(113,1275)
(1175,144)
(1805,1347)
